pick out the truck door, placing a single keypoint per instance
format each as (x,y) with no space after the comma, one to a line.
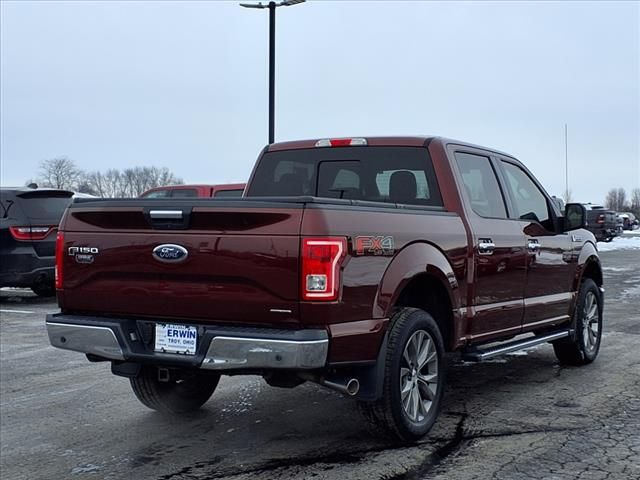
(550,263)
(499,256)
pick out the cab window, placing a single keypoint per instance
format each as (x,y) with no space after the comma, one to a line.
(481,185)
(528,200)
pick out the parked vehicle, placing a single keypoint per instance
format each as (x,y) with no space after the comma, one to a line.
(629,220)
(28,225)
(190,191)
(602,222)
(354,263)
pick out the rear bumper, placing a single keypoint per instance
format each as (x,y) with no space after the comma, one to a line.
(26,270)
(219,348)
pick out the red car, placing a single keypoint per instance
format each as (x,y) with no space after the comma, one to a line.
(190,191)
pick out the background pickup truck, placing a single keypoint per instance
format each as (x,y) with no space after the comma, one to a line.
(602,222)
(191,191)
(354,263)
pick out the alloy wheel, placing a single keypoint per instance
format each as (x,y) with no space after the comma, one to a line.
(419,376)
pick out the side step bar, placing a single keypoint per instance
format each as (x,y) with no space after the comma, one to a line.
(477,354)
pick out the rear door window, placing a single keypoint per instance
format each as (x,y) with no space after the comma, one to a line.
(481,185)
(401,175)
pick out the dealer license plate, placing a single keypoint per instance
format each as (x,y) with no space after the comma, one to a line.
(176,339)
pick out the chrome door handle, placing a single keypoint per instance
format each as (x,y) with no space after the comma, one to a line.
(533,245)
(486,246)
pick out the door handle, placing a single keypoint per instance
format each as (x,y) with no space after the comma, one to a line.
(533,245)
(486,246)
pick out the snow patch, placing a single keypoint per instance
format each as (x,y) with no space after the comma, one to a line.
(616,269)
(86,468)
(620,243)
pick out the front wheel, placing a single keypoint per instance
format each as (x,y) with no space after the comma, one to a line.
(176,395)
(583,348)
(413,378)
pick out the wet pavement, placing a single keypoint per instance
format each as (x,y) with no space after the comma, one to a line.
(521,416)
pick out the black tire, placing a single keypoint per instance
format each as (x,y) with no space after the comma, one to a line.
(583,347)
(44,290)
(388,416)
(175,396)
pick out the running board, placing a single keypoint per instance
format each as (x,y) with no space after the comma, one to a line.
(477,354)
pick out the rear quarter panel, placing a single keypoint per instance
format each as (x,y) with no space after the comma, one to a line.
(424,242)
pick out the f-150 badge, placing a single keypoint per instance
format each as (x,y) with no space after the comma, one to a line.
(373,245)
(83,254)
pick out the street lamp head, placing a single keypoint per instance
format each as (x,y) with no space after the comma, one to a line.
(284,3)
(254,5)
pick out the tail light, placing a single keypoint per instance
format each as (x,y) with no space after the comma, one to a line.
(31,233)
(59,259)
(600,218)
(321,258)
(341,142)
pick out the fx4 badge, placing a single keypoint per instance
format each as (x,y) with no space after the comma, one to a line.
(373,245)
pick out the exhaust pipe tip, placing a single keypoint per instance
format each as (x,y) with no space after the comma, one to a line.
(349,387)
(353,386)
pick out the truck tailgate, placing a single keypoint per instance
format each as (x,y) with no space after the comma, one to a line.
(241,264)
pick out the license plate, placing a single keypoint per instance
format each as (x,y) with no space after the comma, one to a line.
(176,339)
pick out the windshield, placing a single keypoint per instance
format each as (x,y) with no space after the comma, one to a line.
(379,174)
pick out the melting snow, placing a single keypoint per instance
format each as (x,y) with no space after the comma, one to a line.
(624,242)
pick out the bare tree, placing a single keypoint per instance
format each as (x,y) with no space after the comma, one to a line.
(59,172)
(635,199)
(617,199)
(130,182)
(622,200)
(612,199)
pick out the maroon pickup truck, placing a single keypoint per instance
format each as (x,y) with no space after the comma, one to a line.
(355,263)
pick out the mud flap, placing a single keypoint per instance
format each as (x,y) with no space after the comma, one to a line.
(371,378)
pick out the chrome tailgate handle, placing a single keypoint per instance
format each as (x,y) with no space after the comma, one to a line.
(486,246)
(166,214)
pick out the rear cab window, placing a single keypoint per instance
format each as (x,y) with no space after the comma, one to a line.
(228,193)
(156,194)
(401,175)
(184,193)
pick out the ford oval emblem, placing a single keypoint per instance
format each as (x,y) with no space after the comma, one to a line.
(170,253)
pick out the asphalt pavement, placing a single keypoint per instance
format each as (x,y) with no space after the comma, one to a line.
(521,416)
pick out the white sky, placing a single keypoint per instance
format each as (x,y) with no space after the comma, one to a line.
(184,84)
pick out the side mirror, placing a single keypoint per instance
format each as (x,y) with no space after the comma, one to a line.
(575,216)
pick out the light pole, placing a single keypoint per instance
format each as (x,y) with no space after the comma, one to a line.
(272,54)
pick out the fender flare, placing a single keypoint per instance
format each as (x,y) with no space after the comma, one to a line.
(588,256)
(413,260)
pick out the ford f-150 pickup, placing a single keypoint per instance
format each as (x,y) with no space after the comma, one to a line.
(355,263)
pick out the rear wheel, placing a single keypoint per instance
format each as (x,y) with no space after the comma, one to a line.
(414,378)
(177,395)
(583,348)
(44,290)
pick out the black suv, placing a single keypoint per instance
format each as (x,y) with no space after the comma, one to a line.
(28,224)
